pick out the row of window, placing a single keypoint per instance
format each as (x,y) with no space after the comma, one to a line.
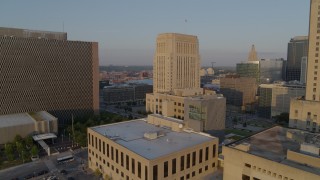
(115,155)
(186,48)
(258,169)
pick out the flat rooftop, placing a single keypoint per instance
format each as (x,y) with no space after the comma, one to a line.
(27,33)
(15,120)
(273,143)
(130,134)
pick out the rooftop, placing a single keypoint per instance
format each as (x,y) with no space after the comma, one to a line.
(130,134)
(15,120)
(273,143)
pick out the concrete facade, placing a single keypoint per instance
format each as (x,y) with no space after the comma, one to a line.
(176,63)
(276,153)
(239,91)
(146,151)
(304,111)
(275,99)
(25,124)
(44,71)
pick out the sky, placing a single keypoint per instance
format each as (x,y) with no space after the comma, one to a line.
(126,30)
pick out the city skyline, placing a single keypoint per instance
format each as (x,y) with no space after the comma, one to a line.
(125,30)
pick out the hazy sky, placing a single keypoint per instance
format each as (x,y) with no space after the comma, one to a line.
(126,29)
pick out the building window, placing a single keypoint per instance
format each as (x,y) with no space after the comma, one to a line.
(200,155)
(193,173)
(117,159)
(96,143)
(214,151)
(155,172)
(132,166)
(127,162)
(206,168)
(165,169)
(247,165)
(207,154)
(188,176)
(89,136)
(121,159)
(188,161)
(181,163)
(112,153)
(182,178)
(245,177)
(174,166)
(107,150)
(213,165)
(104,148)
(254,178)
(146,173)
(194,158)
(139,169)
(200,170)
(99,145)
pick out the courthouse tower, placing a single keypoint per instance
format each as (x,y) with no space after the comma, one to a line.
(176,63)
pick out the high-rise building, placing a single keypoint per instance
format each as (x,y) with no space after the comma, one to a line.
(250,68)
(43,70)
(304,111)
(297,48)
(176,84)
(270,70)
(176,63)
(303,74)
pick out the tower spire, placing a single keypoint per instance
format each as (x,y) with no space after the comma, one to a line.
(252,54)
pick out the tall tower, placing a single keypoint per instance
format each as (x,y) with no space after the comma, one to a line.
(304,112)
(252,54)
(176,63)
(313,74)
(297,49)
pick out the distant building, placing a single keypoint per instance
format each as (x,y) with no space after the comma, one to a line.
(126,93)
(275,98)
(25,124)
(239,91)
(249,69)
(155,148)
(297,48)
(276,153)
(103,83)
(270,70)
(43,70)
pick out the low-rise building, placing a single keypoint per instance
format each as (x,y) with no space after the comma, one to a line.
(274,99)
(25,124)
(276,153)
(151,149)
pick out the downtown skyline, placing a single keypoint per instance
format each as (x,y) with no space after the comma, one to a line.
(126,30)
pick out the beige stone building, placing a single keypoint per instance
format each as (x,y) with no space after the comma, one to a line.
(42,70)
(177,82)
(176,63)
(151,149)
(25,124)
(239,91)
(304,111)
(276,153)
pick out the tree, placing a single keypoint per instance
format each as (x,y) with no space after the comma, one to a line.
(9,151)
(24,155)
(34,151)
(17,138)
(29,141)
(97,173)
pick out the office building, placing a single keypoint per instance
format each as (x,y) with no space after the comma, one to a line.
(276,153)
(43,70)
(274,99)
(25,124)
(151,149)
(250,68)
(126,93)
(270,70)
(297,48)
(176,63)
(304,111)
(239,91)
(177,83)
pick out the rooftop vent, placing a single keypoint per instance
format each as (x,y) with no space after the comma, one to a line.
(154,135)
